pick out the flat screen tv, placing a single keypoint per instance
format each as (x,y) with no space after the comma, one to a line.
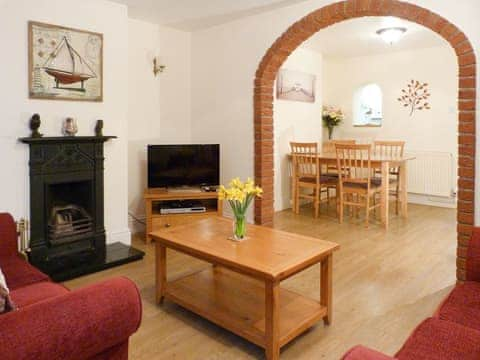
(183,165)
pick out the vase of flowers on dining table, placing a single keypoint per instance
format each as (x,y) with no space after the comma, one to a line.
(332,117)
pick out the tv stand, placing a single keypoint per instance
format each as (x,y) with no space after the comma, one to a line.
(156,198)
(184,189)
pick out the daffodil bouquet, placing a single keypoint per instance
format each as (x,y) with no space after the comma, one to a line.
(239,195)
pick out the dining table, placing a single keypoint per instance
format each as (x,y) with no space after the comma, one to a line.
(384,163)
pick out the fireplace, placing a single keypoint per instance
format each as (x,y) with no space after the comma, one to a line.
(67,233)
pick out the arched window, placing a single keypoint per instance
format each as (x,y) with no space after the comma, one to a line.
(367,104)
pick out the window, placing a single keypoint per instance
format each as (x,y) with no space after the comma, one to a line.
(367,104)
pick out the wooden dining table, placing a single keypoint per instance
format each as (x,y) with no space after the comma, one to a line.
(384,163)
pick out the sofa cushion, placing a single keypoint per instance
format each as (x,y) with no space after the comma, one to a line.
(19,273)
(463,305)
(37,292)
(436,339)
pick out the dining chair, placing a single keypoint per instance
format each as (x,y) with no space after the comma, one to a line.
(392,149)
(331,170)
(357,187)
(307,175)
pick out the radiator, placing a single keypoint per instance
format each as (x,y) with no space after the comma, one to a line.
(431,173)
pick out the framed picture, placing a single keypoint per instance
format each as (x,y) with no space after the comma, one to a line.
(295,86)
(64,63)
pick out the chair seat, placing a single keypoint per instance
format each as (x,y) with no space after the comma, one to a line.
(332,175)
(378,180)
(373,184)
(323,179)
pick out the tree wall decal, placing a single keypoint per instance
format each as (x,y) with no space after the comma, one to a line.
(415,96)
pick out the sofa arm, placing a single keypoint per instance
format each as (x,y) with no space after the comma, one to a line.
(360,352)
(8,235)
(473,256)
(77,325)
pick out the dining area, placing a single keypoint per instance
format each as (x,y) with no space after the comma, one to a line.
(362,180)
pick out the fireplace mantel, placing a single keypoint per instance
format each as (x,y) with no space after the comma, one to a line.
(65,139)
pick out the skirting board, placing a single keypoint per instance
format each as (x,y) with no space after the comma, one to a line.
(125,237)
(429,200)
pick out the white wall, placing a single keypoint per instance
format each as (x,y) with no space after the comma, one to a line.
(158,107)
(425,130)
(225,59)
(296,121)
(16,108)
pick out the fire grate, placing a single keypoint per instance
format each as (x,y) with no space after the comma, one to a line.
(68,224)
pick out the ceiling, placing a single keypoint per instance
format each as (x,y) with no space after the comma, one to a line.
(190,15)
(358,37)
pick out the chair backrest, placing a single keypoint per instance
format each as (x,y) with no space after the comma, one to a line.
(329,146)
(353,163)
(305,159)
(388,148)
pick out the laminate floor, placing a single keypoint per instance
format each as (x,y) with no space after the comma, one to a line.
(384,283)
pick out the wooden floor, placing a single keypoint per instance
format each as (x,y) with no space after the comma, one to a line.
(385,283)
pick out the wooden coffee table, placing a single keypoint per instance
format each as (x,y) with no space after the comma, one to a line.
(241,291)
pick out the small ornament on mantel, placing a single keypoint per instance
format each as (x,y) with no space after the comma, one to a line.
(70,127)
(35,125)
(99,128)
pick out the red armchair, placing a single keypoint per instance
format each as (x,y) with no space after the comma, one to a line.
(454,331)
(53,323)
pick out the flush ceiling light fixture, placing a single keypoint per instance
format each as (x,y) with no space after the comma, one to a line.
(392,34)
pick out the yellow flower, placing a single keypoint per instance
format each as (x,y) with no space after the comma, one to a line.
(239,191)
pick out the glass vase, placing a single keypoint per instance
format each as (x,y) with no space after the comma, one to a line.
(330,132)
(239,228)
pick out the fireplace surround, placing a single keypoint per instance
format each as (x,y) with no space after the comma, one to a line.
(67,231)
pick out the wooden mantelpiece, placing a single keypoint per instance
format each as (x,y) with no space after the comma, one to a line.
(65,139)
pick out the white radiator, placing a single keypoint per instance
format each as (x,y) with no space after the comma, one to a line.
(431,173)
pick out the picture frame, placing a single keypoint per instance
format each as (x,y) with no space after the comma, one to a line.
(295,85)
(64,63)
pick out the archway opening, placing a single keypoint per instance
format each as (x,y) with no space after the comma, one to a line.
(337,12)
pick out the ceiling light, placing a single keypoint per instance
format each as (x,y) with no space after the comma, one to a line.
(392,34)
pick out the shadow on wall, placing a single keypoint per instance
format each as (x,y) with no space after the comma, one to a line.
(137,179)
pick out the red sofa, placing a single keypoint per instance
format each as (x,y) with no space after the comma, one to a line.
(453,332)
(52,322)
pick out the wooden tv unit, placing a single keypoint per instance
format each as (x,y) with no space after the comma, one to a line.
(156,197)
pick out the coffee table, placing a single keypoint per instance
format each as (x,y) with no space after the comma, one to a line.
(241,291)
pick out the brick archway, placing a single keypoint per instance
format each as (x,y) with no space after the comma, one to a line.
(349,9)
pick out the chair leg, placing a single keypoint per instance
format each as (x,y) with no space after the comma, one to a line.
(316,201)
(397,199)
(357,200)
(297,201)
(337,201)
(340,217)
(367,215)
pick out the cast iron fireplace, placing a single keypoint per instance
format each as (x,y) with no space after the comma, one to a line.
(67,232)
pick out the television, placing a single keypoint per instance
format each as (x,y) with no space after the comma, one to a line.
(183,165)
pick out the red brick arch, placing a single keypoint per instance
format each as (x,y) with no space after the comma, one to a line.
(349,9)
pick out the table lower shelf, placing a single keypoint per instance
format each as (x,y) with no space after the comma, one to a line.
(237,303)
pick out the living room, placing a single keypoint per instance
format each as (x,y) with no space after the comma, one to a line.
(215,66)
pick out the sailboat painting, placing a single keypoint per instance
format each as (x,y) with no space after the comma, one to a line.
(65,63)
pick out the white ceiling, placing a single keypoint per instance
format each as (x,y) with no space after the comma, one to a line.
(192,15)
(358,37)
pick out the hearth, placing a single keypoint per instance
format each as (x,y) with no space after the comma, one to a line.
(66,212)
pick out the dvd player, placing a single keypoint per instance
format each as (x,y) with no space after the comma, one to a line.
(184,210)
